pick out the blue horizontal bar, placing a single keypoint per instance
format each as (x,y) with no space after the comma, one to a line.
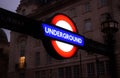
(63,35)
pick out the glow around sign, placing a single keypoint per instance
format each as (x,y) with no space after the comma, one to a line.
(62,35)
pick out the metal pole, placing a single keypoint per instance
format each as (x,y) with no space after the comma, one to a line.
(80,66)
(112,59)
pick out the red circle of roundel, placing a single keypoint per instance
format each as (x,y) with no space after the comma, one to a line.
(56,19)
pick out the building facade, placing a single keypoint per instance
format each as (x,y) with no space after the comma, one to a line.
(28,57)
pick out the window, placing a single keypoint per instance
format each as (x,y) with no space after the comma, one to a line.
(91,70)
(72,12)
(61,73)
(22,62)
(22,75)
(87,7)
(43,74)
(37,58)
(37,43)
(68,72)
(103,17)
(107,67)
(22,45)
(76,71)
(49,59)
(102,3)
(37,74)
(87,25)
(51,73)
(101,68)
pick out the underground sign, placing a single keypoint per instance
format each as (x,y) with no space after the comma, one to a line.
(61,43)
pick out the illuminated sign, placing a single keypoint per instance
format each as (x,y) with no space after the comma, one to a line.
(63,49)
(62,35)
(64,38)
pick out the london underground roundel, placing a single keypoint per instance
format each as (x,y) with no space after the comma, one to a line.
(64,50)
